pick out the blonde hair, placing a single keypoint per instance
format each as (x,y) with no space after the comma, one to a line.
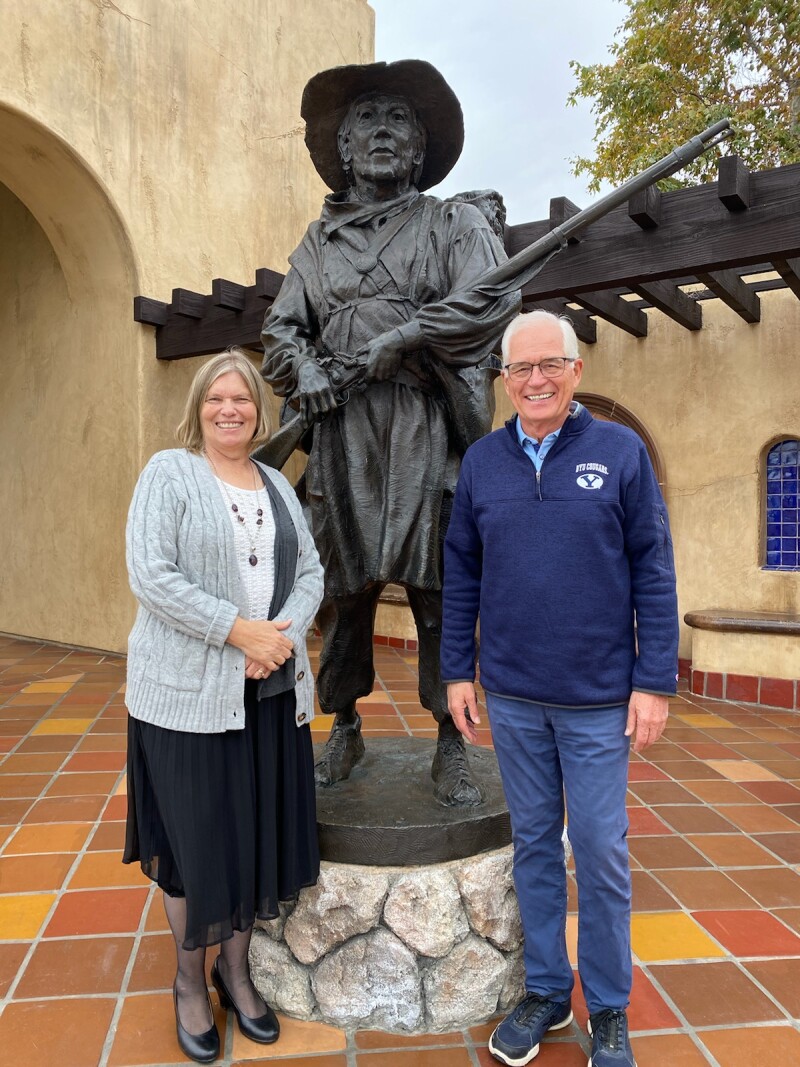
(190,432)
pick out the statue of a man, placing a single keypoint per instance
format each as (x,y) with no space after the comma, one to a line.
(365,302)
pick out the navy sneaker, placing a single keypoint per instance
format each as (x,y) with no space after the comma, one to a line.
(611,1046)
(516,1040)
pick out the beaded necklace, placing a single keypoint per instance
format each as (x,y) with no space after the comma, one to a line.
(253,539)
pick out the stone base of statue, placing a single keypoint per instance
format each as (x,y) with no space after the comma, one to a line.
(413,926)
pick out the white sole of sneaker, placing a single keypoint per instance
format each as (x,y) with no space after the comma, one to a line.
(589,1030)
(504,1058)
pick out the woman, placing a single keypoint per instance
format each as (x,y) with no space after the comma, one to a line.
(221,808)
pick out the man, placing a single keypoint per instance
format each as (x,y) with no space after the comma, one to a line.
(559,538)
(365,303)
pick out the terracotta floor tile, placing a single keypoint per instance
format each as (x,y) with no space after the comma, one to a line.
(758,819)
(662,853)
(116,809)
(662,793)
(645,772)
(705,889)
(156,916)
(300,1037)
(96,761)
(790,811)
(306,1061)
(146,1032)
(643,822)
(27,874)
(108,837)
(772,887)
(648,895)
(98,869)
(704,719)
(48,743)
(694,818)
(154,967)
(75,966)
(109,726)
(782,979)
(749,933)
(32,763)
(759,1044)
(60,837)
(70,1033)
(103,743)
(12,811)
(553,1053)
(100,911)
(372,1040)
(99,783)
(409,1057)
(790,916)
(669,1050)
(720,792)
(742,770)
(715,994)
(11,957)
(731,850)
(7,743)
(21,917)
(648,1010)
(787,846)
(15,786)
(774,792)
(66,809)
(688,771)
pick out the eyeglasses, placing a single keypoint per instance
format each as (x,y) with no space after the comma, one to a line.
(548,368)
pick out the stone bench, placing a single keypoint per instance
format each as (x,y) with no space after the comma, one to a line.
(750,657)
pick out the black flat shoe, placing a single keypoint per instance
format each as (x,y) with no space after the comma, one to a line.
(264,1030)
(204,1048)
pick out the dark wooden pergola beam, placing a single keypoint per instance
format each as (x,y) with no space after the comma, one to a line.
(697,234)
(669,299)
(584,325)
(789,270)
(614,310)
(730,288)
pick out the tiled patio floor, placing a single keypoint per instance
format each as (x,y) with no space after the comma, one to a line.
(86,961)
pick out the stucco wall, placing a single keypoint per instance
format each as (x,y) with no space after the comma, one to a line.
(146,145)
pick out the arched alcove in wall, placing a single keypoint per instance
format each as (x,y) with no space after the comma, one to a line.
(604,408)
(69,364)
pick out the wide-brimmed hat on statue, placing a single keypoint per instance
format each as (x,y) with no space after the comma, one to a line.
(329,94)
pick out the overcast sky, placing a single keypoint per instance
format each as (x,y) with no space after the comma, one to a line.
(508,62)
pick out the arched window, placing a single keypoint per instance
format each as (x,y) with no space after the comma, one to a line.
(783,529)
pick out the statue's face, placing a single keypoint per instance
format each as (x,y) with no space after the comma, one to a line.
(384,144)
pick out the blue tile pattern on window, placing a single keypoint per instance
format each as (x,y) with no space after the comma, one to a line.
(783,524)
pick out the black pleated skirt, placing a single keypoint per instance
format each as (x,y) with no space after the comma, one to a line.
(228,820)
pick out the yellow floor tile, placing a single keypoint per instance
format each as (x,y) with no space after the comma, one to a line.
(671,936)
(297,1039)
(21,917)
(377,696)
(122,788)
(320,725)
(37,839)
(53,685)
(62,726)
(701,718)
(572,939)
(742,770)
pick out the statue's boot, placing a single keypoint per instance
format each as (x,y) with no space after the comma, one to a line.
(343,750)
(455,786)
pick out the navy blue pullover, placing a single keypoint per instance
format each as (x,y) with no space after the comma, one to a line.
(557,564)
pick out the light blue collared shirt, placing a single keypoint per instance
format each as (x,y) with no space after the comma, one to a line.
(537,450)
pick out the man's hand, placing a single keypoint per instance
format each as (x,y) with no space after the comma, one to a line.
(647,717)
(314,391)
(463,706)
(383,356)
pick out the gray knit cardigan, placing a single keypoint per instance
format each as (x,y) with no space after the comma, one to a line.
(182,568)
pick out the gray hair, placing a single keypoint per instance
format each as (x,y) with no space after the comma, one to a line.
(343,136)
(190,431)
(529,318)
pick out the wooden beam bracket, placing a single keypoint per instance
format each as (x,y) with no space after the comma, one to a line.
(673,302)
(644,208)
(561,209)
(615,310)
(150,312)
(734,183)
(729,287)
(268,283)
(190,305)
(229,295)
(789,270)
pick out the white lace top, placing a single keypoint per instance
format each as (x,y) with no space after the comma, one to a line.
(253,540)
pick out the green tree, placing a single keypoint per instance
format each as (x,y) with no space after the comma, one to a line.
(679,66)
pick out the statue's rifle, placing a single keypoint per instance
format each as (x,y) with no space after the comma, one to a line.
(516,272)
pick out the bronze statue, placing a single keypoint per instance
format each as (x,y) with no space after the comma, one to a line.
(388,374)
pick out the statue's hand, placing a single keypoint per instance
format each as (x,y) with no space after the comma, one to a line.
(383,356)
(314,391)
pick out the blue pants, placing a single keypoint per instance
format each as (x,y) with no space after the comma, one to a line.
(544,753)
